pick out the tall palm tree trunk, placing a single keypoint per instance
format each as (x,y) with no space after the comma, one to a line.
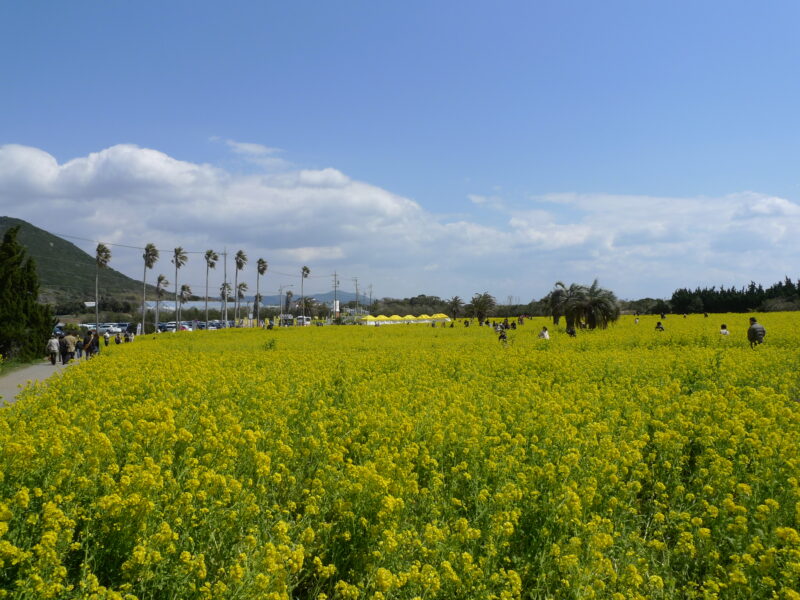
(236,298)
(258,299)
(177,303)
(144,296)
(207,295)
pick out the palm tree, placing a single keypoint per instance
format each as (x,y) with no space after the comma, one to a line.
(150,257)
(555,301)
(241,289)
(101,259)
(308,305)
(224,293)
(304,272)
(454,306)
(261,268)
(211,262)
(184,296)
(289,295)
(562,297)
(161,285)
(179,259)
(482,305)
(595,306)
(241,260)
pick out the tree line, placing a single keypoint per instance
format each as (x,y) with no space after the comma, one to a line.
(784,295)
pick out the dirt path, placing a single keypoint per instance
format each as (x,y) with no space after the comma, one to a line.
(14,382)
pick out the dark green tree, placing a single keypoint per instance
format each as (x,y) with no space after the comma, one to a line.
(482,305)
(24,323)
(594,306)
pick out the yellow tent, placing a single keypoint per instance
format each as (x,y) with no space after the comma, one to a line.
(395,318)
(440,316)
(409,318)
(424,317)
(367,318)
(381,318)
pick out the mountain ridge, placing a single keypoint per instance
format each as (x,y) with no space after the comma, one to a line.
(67,273)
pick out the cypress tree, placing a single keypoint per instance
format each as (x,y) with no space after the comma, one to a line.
(24,323)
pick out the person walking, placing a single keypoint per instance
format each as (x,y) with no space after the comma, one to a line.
(71,340)
(52,349)
(106,337)
(78,348)
(755,333)
(89,344)
(62,349)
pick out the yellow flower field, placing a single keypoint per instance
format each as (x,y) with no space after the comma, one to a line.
(412,462)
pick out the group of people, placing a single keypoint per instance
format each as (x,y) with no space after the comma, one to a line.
(68,347)
(755,333)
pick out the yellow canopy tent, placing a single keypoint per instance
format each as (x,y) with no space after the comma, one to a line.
(395,318)
(381,318)
(421,317)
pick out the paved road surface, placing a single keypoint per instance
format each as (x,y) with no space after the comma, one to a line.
(14,382)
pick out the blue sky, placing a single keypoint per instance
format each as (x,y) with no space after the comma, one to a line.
(437,147)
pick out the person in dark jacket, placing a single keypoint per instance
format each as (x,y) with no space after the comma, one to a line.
(63,349)
(755,333)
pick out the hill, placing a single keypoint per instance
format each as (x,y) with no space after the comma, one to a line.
(66,273)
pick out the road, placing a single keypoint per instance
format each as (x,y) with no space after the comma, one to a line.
(14,382)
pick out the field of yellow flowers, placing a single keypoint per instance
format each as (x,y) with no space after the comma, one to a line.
(412,462)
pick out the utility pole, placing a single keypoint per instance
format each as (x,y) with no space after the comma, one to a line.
(355,279)
(335,295)
(370,298)
(225,282)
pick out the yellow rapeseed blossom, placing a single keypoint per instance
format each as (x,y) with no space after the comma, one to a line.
(411,462)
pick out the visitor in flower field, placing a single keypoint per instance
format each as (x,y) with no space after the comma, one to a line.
(106,337)
(71,341)
(90,344)
(571,332)
(117,339)
(62,349)
(755,333)
(544,334)
(79,348)
(87,344)
(502,337)
(52,348)
(723,330)
(659,326)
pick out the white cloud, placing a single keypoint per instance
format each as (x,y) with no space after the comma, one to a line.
(250,149)
(637,245)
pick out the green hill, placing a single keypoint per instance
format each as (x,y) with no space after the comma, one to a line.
(66,273)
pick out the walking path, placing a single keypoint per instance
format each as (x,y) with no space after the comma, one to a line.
(11,384)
